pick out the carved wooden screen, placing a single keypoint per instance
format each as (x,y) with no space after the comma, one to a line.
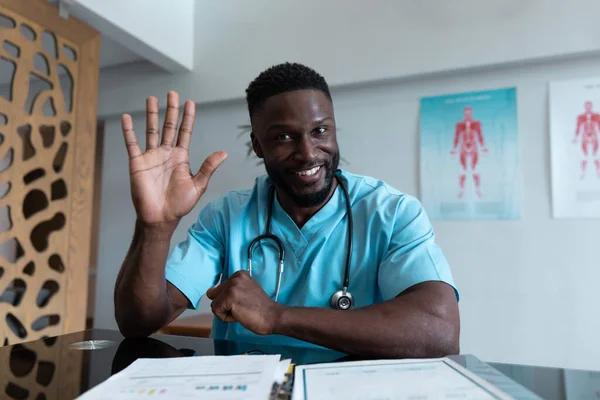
(48,91)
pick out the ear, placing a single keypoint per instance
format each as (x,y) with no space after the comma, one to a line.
(256,146)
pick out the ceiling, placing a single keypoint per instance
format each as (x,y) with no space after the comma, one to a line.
(112,53)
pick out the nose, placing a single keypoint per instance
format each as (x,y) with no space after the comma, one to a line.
(306,149)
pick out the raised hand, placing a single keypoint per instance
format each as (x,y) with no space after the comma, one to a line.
(163,187)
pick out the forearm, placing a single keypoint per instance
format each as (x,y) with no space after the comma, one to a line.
(399,328)
(142,302)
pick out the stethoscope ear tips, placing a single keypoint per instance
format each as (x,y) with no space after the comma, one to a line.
(342,300)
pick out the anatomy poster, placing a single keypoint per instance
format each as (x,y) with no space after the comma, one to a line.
(574,136)
(469,155)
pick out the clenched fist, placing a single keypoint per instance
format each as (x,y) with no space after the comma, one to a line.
(241,299)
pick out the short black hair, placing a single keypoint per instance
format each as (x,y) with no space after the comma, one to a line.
(283,78)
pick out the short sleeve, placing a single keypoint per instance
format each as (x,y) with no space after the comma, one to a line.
(195,264)
(412,256)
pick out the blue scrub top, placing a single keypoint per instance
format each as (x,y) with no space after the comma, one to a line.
(393,249)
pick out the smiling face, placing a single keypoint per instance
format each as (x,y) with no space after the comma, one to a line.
(294,133)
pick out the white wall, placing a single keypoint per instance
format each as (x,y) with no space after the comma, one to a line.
(358,41)
(529,287)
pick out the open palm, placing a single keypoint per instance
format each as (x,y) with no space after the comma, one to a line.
(163,187)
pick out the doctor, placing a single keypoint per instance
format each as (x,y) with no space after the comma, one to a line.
(340,260)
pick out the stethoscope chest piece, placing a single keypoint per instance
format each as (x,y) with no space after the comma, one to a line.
(342,300)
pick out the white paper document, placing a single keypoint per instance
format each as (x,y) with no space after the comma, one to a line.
(207,377)
(439,378)
(282,369)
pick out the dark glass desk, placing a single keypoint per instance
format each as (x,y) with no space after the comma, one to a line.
(53,369)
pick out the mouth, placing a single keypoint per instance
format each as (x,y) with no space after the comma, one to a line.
(308,175)
(308,172)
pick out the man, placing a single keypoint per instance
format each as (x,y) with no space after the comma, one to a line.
(468,133)
(405,304)
(590,122)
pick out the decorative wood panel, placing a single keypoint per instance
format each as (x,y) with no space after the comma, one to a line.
(47,144)
(45,369)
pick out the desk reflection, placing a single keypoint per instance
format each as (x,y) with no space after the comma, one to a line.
(130,350)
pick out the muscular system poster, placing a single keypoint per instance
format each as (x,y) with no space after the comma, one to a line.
(469,155)
(575,157)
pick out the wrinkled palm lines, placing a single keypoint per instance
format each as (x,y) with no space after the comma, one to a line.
(36,170)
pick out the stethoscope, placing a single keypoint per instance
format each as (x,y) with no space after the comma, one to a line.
(340,300)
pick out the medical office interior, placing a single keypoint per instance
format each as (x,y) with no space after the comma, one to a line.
(529,282)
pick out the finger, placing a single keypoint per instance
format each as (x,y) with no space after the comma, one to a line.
(221,307)
(171,119)
(151,123)
(133,148)
(187,125)
(215,291)
(207,169)
(242,273)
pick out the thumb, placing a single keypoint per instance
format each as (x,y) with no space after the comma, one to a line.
(214,291)
(208,167)
(210,293)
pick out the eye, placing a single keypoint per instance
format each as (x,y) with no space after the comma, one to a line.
(320,130)
(284,136)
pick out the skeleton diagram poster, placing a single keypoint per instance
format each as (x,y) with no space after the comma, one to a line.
(574,135)
(469,155)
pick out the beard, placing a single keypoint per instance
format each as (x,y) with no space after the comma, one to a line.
(307,197)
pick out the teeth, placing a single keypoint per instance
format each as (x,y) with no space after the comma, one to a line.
(308,172)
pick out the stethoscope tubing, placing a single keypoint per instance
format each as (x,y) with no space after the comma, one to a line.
(281,249)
